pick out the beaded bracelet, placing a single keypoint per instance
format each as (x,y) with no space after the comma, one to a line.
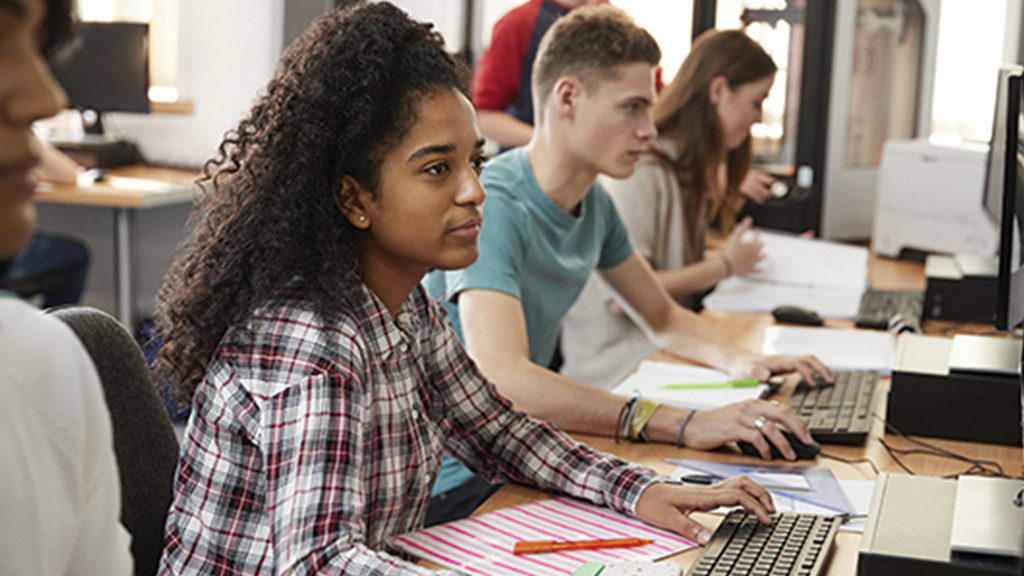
(679,437)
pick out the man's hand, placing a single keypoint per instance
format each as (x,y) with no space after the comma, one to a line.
(763,367)
(754,421)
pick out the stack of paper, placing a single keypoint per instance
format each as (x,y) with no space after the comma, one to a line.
(705,388)
(839,349)
(826,277)
(483,544)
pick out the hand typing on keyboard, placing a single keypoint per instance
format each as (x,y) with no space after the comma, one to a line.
(670,505)
(762,367)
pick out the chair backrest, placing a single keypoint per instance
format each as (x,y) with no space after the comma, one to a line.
(145,445)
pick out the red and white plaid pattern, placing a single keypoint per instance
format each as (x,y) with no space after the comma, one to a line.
(310,445)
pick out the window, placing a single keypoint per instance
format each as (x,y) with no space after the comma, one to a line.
(971,39)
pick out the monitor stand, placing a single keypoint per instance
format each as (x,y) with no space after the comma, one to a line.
(95,148)
(962,388)
(909,531)
(986,519)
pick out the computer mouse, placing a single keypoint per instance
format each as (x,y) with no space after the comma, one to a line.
(98,174)
(803,451)
(797,315)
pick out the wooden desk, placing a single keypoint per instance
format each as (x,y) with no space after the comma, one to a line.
(746,329)
(126,190)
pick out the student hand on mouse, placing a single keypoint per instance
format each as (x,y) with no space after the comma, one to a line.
(754,421)
(757,186)
(741,256)
(669,505)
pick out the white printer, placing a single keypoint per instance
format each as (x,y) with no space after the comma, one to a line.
(930,200)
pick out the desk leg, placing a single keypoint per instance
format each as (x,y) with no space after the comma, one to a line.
(124,259)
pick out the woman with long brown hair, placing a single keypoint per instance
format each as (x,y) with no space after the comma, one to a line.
(691,174)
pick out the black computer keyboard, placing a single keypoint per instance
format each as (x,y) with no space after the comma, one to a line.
(840,413)
(795,544)
(891,310)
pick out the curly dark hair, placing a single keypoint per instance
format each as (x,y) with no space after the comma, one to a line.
(267,227)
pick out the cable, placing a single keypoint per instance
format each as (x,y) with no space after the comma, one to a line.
(852,462)
(977,467)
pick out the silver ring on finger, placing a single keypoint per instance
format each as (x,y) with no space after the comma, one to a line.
(759,423)
(774,402)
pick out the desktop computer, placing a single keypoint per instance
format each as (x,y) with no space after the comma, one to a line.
(108,71)
(974,525)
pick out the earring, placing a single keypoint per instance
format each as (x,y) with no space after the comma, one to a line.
(362,218)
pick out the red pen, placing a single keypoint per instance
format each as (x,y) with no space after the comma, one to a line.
(543,546)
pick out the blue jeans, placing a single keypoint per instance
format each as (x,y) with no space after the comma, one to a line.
(52,266)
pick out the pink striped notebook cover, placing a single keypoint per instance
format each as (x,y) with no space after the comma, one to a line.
(483,544)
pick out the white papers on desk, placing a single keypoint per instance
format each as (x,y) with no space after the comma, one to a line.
(650,375)
(839,349)
(826,277)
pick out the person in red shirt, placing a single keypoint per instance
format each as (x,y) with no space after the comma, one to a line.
(501,80)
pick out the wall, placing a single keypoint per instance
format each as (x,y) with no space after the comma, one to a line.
(229,49)
(228,52)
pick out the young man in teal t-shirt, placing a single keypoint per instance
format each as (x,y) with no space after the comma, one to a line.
(548,224)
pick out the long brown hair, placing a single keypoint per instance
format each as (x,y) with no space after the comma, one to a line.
(685,114)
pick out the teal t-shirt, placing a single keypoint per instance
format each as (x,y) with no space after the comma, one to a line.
(531,249)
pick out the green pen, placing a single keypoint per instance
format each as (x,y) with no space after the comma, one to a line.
(743,383)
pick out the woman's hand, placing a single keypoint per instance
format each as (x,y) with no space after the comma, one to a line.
(741,256)
(669,505)
(754,421)
(757,186)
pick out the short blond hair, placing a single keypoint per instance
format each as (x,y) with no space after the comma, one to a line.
(589,44)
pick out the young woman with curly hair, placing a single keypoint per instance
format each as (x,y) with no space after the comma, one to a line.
(690,174)
(325,382)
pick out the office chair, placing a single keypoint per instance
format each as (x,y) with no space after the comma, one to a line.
(145,445)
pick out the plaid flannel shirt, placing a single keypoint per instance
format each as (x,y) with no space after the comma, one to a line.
(309,445)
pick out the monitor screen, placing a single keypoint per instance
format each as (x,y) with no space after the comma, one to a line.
(993,198)
(108,71)
(1010,284)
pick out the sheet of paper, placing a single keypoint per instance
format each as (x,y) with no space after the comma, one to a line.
(782,481)
(838,348)
(739,294)
(826,277)
(483,544)
(650,376)
(811,263)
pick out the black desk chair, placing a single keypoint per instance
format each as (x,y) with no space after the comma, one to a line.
(144,441)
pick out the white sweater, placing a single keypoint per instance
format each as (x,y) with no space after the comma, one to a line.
(60,498)
(601,347)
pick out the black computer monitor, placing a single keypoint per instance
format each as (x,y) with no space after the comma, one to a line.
(1008,134)
(108,70)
